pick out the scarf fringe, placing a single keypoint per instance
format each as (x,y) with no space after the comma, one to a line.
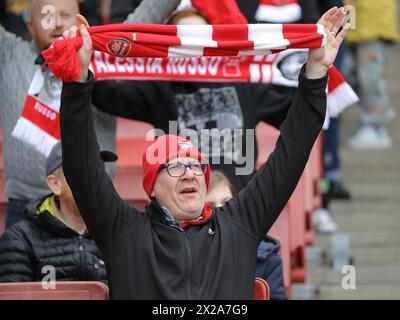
(63,60)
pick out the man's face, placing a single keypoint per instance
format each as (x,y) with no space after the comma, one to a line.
(59,186)
(183,196)
(50,18)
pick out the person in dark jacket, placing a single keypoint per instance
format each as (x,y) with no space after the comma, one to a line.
(269,262)
(181,249)
(52,234)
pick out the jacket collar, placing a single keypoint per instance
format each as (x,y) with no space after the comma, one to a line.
(160,215)
(46,221)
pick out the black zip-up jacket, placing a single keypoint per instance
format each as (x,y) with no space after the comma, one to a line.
(145,257)
(42,240)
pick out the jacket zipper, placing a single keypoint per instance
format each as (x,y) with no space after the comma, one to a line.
(189,264)
(82,256)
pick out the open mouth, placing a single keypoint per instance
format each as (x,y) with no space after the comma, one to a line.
(188,191)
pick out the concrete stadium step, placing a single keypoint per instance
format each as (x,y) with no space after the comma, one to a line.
(360,208)
(373,274)
(362,292)
(366,222)
(361,238)
(377,255)
(381,189)
(357,175)
(362,255)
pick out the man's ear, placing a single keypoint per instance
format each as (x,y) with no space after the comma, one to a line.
(54,185)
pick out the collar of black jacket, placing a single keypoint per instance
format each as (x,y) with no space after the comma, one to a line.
(156,213)
(46,221)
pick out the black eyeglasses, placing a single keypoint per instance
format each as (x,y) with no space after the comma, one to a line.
(178,169)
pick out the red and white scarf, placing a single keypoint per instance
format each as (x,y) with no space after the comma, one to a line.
(278,11)
(39,123)
(169,41)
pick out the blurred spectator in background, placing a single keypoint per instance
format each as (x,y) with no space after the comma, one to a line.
(14,15)
(121,8)
(20,63)
(52,234)
(257,11)
(91,9)
(269,263)
(376,27)
(332,184)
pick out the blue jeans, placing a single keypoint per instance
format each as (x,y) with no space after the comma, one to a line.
(331,151)
(15,212)
(366,65)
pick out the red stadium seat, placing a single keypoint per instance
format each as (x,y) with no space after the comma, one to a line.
(131,144)
(83,290)
(65,290)
(313,197)
(261,290)
(297,225)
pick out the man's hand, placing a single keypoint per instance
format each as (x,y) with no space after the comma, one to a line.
(320,59)
(84,53)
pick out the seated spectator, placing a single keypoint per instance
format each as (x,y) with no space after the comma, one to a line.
(269,263)
(52,234)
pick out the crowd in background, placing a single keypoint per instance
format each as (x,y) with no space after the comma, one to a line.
(362,59)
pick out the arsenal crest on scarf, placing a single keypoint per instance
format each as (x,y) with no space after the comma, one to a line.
(119,47)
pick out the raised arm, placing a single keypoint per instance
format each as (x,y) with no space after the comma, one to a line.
(131,99)
(152,11)
(104,212)
(11,47)
(256,207)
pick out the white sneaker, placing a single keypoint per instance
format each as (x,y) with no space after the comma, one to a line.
(370,138)
(323,221)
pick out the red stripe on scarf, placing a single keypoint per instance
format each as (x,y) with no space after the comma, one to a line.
(42,116)
(157,40)
(237,36)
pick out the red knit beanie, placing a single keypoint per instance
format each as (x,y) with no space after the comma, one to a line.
(164,149)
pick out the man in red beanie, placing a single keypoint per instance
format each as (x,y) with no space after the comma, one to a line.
(173,156)
(179,248)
